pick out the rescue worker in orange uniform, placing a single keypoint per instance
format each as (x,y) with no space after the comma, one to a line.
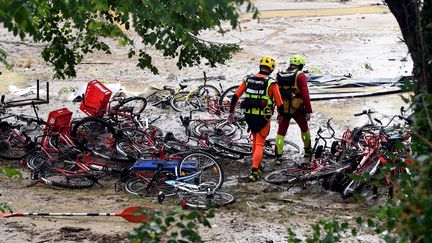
(296,104)
(261,94)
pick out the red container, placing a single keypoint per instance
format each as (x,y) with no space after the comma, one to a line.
(96,99)
(59,120)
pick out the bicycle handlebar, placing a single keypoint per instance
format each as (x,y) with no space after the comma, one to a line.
(378,120)
(364,112)
(29,119)
(332,133)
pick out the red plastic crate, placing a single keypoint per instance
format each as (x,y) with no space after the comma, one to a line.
(96,99)
(59,120)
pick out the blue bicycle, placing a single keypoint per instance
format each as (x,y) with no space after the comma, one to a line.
(147,177)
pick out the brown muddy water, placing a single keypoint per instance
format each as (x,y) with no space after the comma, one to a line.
(321,12)
(12,78)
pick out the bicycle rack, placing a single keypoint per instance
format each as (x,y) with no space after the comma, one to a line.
(32,101)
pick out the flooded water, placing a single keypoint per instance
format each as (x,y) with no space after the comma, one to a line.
(342,110)
(12,78)
(321,12)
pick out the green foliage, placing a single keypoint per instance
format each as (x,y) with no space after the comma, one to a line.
(9,172)
(3,60)
(171,226)
(72,29)
(4,207)
(64,90)
(367,66)
(325,231)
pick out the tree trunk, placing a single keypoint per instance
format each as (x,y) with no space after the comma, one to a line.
(408,16)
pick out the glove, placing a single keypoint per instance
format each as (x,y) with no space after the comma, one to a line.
(231,118)
(308,116)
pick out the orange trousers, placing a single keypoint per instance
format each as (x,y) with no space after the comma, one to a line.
(258,141)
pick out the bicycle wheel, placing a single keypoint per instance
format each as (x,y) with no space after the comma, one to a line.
(336,182)
(206,93)
(158,97)
(99,137)
(185,101)
(205,201)
(58,179)
(205,166)
(225,101)
(356,185)
(12,145)
(130,107)
(127,149)
(41,160)
(290,149)
(175,146)
(226,97)
(222,127)
(150,186)
(322,172)
(223,142)
(285,176)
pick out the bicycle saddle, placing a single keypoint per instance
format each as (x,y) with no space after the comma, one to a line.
(169,136)
(183,86)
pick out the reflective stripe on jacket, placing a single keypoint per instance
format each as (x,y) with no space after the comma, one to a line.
(257,94)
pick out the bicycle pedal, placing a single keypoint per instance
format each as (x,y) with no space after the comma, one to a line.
(34,175)
(161,197)
(118,186)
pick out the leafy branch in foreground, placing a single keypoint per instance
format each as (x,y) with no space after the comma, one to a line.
(8,173)
(72,29)
(171,226)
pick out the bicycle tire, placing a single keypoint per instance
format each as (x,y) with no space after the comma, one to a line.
(40,160)
(156,98)
(204,201)
(356,185)
(323,173)
(205,94)
(225,154)
(225,101)
(180,102)
(226,97)
(175,146)
(319,152)
(67,181)
(224,128)
(127,149)
(334,148)
(285,176)
(98,136)
(132,106)
(147,187)
(289,149)
(224,143)
(336,182)
(211,171)
(11,146)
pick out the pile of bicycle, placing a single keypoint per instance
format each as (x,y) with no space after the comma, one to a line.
(364,157)
(117,139)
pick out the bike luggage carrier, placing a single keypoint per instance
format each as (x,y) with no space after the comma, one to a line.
(96,99)
(156,164)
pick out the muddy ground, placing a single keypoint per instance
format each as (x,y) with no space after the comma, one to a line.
(333,43)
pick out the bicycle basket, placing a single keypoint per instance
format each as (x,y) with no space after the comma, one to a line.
(96,99)
(59,120)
